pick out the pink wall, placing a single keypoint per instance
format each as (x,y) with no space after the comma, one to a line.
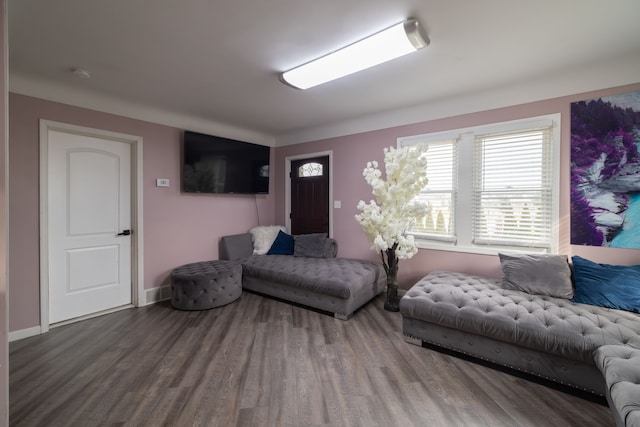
(182,228)
(178,228)
(351,153)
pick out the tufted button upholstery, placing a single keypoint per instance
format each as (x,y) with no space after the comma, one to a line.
(481,306)
(337,277)
(207,284)
(332,284)
(620,366)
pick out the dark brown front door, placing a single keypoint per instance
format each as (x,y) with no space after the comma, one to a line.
(310,195)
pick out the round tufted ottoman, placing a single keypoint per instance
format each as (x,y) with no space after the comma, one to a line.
(206,284)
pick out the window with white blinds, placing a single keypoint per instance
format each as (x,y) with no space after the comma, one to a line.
(512,195)
(440,193)
(491,188)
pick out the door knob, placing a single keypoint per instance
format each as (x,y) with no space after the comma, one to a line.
(125,233)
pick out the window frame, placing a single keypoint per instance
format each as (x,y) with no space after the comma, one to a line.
(463,204)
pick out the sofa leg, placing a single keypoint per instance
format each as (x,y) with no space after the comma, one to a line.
(412,340)
(341,316)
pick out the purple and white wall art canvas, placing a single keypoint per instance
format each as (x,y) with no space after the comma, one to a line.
(605,171)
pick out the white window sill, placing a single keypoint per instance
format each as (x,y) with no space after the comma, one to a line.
(481,250)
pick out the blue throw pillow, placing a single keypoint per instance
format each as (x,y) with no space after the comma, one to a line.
(613,286)
(283,245)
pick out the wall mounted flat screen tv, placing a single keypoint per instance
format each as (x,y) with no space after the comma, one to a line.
(212,164)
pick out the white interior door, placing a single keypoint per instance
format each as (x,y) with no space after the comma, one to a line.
(89,209)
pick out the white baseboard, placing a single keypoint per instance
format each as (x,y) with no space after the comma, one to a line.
(152,296)
(24,333)
(155,295)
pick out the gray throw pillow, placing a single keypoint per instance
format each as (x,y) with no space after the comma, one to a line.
(310,245)
(538,274)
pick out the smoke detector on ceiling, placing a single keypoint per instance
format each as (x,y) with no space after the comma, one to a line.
(80,72)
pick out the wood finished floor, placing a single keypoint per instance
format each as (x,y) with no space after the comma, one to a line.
(261,362)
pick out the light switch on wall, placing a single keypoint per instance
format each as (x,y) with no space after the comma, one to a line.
(337,204)
(162,182)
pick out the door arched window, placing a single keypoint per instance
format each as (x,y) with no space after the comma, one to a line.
(310,169)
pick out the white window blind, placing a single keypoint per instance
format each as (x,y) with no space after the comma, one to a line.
(440,193)
(491,187)
(512,195)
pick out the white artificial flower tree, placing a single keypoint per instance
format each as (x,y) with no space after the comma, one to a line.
(386,219)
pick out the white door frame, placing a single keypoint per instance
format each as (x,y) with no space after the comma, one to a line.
(287,185)
(137,271)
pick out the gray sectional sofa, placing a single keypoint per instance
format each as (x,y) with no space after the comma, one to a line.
(553,338)
(620,367)
(325,282)
(549,337)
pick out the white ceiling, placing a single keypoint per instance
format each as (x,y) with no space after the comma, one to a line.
(213,64)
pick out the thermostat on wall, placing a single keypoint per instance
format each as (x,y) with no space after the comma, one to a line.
(162,182)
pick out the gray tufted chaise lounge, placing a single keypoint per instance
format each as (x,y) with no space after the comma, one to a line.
(337,285)
(620,366)
(552,338)
(206,284)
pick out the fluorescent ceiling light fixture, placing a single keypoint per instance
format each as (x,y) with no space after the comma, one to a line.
(395,41)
